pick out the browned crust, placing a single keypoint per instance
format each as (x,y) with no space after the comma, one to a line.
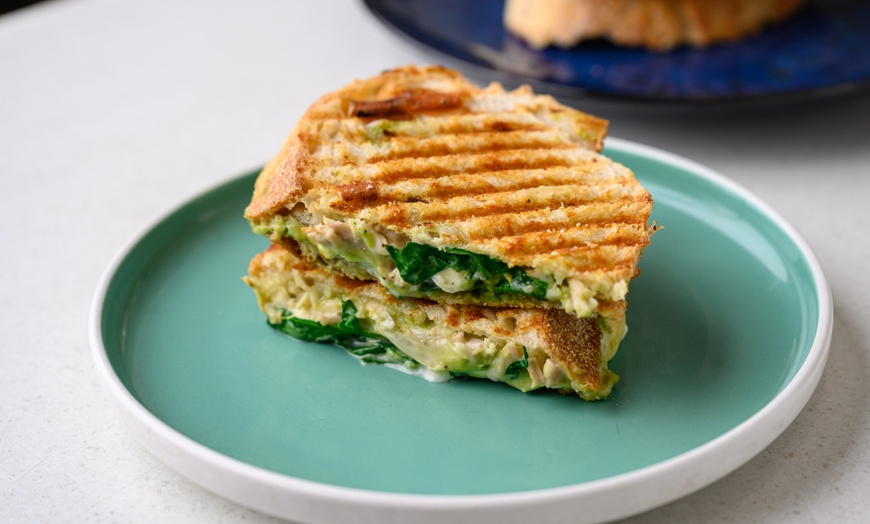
(575,343)
(655,24)
(394,92)
(280,181)
(358,194)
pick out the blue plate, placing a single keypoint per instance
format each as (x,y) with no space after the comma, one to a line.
(822,50)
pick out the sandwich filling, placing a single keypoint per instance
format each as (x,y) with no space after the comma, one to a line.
(413,269)
(414,336)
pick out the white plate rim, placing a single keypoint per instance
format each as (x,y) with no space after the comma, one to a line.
(610,498)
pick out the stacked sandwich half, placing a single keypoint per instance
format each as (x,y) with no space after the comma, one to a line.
(452,231)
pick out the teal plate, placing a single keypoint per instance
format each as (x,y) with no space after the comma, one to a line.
(730,325)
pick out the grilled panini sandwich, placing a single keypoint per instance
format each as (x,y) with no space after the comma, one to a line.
(523,347)
(439,189)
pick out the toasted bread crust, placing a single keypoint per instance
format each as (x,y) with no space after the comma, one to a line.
(285,177)
(655,24)
(574,345)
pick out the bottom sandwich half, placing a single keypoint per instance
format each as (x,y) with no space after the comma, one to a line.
(526,348)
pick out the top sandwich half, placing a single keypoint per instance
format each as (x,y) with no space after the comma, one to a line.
(437,188)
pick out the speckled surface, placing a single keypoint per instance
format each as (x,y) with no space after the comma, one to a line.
(114,112)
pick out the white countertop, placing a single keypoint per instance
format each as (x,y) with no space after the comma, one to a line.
(112,112)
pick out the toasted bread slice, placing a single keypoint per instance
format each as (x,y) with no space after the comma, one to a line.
(435,188)
(525,348)
(655,24)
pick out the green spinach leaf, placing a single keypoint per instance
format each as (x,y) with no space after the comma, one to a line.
(347,333)
(521,282)
(418,263)
(516,367)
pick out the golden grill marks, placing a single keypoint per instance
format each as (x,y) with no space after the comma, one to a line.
(511,224)
(370,138)
(479,185)
(462,208)
(421,157)
(426,147)
(456,123)
(579,237)
(494,181)
(466,164)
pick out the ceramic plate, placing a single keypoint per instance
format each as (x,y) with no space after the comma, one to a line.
(819,51)
(729,330)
